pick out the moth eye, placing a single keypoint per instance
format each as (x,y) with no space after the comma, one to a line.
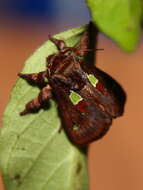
(92,79)
(75,98)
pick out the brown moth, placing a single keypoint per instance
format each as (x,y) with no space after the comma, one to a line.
(99,97)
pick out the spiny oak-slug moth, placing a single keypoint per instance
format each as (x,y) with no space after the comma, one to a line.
(98,98)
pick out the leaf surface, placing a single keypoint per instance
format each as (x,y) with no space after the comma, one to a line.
(118,19)
(33,154)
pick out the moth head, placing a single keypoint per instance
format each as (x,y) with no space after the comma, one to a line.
(61,61)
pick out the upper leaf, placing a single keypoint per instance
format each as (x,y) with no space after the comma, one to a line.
(33,154)
(119,19)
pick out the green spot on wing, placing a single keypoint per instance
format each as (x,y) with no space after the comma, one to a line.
(75,98)
(75,127)
(93,80)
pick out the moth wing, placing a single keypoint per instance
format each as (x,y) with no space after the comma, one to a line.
(111,94)
(84,122)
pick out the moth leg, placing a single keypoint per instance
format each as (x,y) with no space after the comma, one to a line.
(38,79)
(39,102)
(59,43)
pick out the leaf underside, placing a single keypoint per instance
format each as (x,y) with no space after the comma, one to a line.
(33,154)
(118,19)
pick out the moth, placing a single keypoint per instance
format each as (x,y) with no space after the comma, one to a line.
(87,98)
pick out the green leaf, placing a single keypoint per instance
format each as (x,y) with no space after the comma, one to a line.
(118,19)
(33,154)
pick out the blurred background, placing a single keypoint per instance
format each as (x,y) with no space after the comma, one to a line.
(115,162)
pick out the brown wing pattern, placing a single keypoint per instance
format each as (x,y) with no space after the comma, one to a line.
(81,126)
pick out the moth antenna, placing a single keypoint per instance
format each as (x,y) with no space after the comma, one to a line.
(100,49)
(89,50)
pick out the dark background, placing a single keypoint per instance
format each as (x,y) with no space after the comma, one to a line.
(115,162)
